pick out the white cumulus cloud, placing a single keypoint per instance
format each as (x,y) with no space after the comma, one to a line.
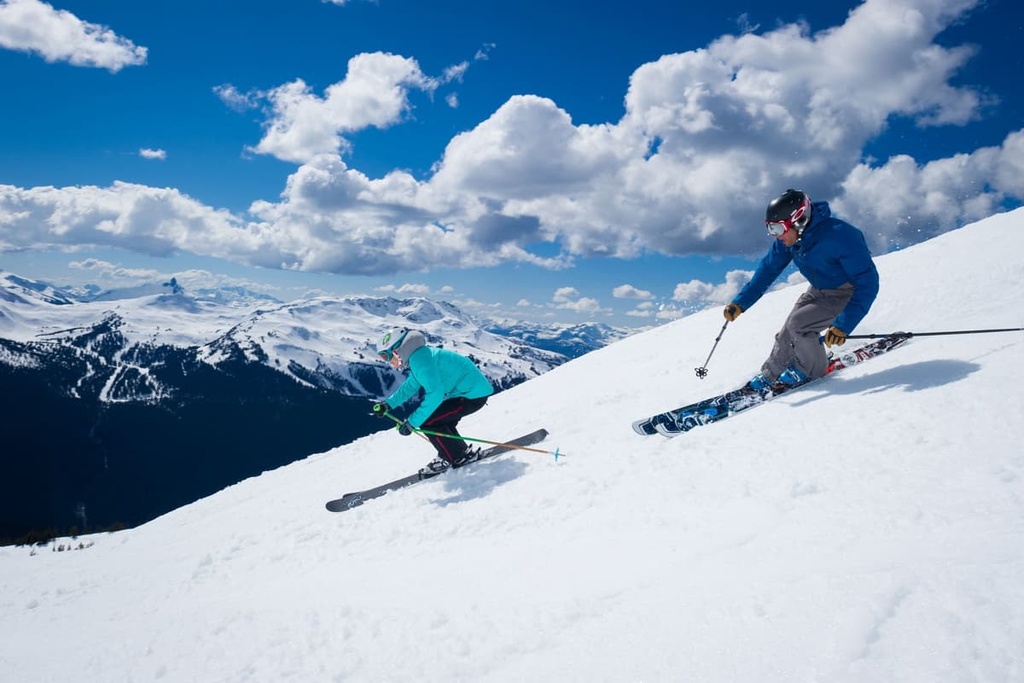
(59,36)
(707,138)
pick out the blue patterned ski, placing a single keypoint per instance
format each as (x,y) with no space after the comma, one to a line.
(683,419)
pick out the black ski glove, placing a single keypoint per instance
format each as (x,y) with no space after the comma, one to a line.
(405,429)
(380,409)
(834,337)
(732,311)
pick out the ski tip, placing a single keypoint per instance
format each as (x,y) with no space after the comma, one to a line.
(346,502)
(644,427)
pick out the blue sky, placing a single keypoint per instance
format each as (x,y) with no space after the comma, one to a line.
(564,161)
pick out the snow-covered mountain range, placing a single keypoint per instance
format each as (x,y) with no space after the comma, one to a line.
(326,342)
(568,340)
(136,379)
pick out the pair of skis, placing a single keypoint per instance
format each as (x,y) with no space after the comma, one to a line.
(357,498)
(683,419)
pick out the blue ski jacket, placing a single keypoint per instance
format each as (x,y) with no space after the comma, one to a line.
(830,253)
(442,374)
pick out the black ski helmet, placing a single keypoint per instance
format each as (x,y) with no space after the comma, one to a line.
(791,209)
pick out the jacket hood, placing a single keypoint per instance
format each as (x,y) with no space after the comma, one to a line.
(820,211)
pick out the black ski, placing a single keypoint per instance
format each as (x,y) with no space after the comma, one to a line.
(357,498)
(685,418)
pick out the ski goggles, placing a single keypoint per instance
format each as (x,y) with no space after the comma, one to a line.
(388,347)
(797,220)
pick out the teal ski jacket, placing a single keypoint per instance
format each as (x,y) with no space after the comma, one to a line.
(442,375)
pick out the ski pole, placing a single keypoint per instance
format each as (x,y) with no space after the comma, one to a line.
(702,371)
(555,452)
(423,432)
(397,421)
(932,334)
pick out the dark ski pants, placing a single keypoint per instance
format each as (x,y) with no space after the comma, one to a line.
(797,342)
(444,421)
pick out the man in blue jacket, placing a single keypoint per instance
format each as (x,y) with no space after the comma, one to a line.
(834,257)
(452,385)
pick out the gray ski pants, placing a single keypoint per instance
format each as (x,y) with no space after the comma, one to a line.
(797,342)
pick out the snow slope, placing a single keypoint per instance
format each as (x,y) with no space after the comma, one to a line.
(870,528)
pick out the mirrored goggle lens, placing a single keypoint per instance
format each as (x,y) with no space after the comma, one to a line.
(777,229)
(386,354)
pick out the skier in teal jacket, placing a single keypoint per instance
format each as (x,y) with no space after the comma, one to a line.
(452,387)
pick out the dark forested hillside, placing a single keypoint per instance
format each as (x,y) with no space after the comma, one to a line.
(75,461)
